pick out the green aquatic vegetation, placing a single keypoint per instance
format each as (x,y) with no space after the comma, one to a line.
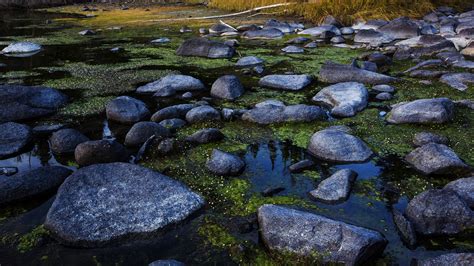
(31,239)
(412,185)
(368,188)
(298,133)
(217,236)
(18,75)
(85,107)
(102,80)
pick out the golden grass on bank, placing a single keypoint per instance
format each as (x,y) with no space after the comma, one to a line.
(345,10)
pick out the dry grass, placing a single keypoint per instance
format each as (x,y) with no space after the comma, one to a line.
(345,10)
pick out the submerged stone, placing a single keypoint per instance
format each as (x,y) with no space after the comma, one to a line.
(13,138)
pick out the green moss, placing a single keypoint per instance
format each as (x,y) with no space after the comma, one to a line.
(298,133)
(31,240)
(217,236)
(85,107)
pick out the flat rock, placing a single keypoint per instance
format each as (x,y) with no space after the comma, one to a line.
(161,40)
(24,102)
(91,200)
(100,151)
(338,146)
(336,73)
(401,28)
(423,138)
(65,141)
(205,48)
(345,99)
(286,82)
(265,34)
(423,111)
(458,259)
(221,27)
(13,138)
(433,158)
(21,48)
(439,212)
(272,114)
(304,233)
(371,36)
(142,131)
(227,87)
(174,111)
(173,82)
(226,164)
(206,135)
(249,61)
(293,50)
(319,30)
(298,40)
(370,24)
(201,114)
(32,183)
(464,187)
(458,81)
(335,188)
(301,166)
(126,110)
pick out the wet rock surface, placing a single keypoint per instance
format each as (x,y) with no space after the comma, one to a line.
(66,140)
(423,111)
(100,151)
(304,233)
(89,200)
(127,110)
(223,163)
(13,138)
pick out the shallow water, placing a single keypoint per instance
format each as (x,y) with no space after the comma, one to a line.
(267,159)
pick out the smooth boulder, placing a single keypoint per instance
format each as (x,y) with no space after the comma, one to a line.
(32,183)
(142,131)
(107,203)
(206,135)
(100,151)
(345,99)
(336,73)
(13,138)
(458,81)
(439,212)
(249,61)
(174,111)
(28,102)
(423,111)
(65,141)
(227,87)
(173,82)
(226,164)
(203,47)
(203,113)
(464,187)
(304,233)
(436,159)
(335,188)
(273,114)
(338,146)
(286,82)
(126,110)
(21,48)
(266,34)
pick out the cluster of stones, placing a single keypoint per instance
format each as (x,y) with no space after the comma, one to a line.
(89,199)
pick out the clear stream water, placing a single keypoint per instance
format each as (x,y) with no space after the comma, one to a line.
(267,166)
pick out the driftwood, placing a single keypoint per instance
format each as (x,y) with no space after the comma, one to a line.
(256,9)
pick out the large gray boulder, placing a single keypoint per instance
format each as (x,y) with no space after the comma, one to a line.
(100,151)
(345,99)
(174,111)
(338,146)
(13,138)
(288,230)
(266,34)
(450,259)
(286,82)
(335,188)
(372,37)
(142,131)
(32,183)
(226,164)
(23,102)
(227,87)
(439,212)
(423,138)
(336,73)
(425,45)
(65,141)
(401,28)
(464,187)
(436,159)
(173,82)
(203,113)
(106,203)
(423,111)
(273,114)
(126,110)
(205,48)
(458,81)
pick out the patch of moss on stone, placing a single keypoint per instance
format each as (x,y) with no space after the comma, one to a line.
(85,107)
(31,239)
